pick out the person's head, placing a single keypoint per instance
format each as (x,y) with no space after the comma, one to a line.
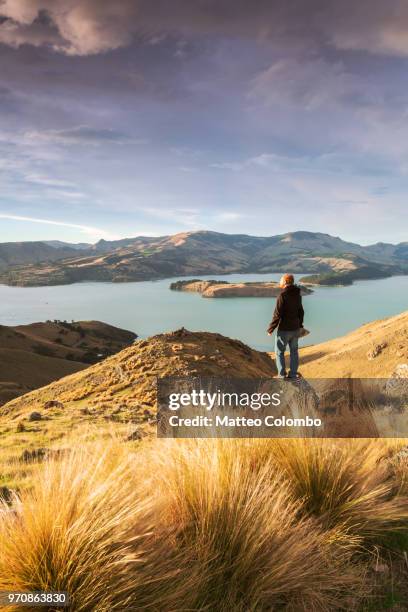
(287,280)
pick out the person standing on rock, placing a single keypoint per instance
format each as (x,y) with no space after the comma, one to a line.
(288,320)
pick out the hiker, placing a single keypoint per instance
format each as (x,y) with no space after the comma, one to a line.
(288,319)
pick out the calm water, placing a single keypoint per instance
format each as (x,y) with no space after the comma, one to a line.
(150,307)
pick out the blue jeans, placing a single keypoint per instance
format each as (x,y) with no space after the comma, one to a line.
(283,338)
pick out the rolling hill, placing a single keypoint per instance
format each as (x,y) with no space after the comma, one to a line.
(120,391)
(205,252)
(22,253)
(127,380)
(117,395)
(34,355)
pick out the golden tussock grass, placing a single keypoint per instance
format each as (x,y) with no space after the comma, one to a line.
(347,484)
(205,525)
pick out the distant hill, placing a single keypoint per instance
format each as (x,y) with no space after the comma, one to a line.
(78,246)
(204,252)
(34,355)
(21,253)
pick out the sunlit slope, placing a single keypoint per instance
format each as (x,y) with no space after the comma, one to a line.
(119,393)
(127,380)
(376,349)
(205,252)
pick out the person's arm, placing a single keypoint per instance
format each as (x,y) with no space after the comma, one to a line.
(277,315)
(301,313)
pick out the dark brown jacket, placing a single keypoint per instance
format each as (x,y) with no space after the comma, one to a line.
(288,314)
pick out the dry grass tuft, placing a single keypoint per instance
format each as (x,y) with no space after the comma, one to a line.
(348,485)
(252,550)
(86,527)
(204,525)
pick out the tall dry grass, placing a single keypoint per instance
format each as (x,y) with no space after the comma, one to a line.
(347,484)
(251,547)
(87,527)
(203,525)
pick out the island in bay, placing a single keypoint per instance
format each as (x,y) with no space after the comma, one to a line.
(224,289)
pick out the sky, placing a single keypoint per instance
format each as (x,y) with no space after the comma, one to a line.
(153,117)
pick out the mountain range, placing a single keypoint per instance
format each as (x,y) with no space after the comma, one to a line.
(329,259)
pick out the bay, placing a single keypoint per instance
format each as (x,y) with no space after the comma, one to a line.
(150,307)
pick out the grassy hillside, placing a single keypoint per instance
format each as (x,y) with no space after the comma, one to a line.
(128,378)
(34,355)
(373,350)
(120,392)
(126,522)
(22,371)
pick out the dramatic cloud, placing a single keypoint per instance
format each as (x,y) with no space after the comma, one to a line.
(77,28)
(150,116)
(83,27)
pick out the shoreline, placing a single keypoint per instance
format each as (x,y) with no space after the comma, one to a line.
(302,279)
